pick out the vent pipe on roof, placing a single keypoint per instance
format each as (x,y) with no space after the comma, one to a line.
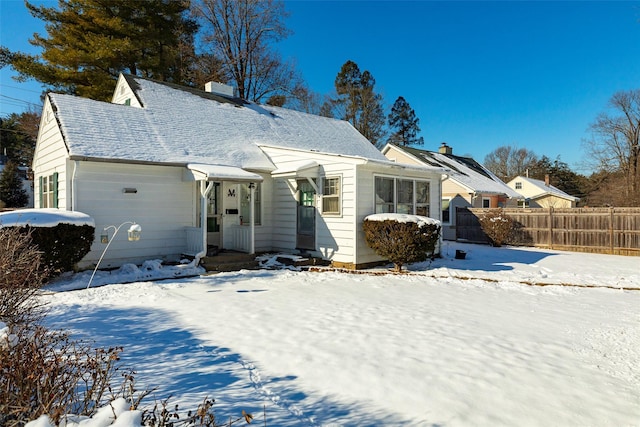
(445,149)
(218,88)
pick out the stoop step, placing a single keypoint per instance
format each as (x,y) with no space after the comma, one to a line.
(229,261)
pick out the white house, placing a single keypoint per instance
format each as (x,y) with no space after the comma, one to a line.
(199,169)
(467,184)
(541,194)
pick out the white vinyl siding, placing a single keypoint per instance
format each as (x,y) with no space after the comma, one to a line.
(334,232)
(50,157)
(164,205)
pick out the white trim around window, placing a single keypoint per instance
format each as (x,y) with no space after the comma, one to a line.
(332,195)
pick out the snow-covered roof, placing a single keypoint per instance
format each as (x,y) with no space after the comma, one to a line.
(183,125)
(296,169)
(48,217)
(397,217)
(215,172)
(544,189)
(465,171)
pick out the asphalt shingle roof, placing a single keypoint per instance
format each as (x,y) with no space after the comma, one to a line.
(184,125)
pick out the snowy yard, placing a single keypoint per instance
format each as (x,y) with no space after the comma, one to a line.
(454,343)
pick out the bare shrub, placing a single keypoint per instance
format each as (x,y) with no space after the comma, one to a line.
(41,371)
(497,225)
(22,276)
(46,372)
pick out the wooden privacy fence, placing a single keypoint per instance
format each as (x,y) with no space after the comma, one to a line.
(597,230)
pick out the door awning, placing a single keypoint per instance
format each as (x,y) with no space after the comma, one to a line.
(205,172)
(307,169)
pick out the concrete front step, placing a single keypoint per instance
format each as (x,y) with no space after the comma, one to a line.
(229,261)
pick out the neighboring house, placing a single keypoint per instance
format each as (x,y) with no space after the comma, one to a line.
(204,170)
(27,184)
(541,194)
(467,182)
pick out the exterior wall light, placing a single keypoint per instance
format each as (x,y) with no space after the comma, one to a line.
(134,232)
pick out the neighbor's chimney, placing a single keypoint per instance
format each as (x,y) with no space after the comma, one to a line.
(218,88)
(445,149)
(546,180)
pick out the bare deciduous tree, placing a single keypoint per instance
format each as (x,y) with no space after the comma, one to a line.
(615,142)
(240,34)
(507,162)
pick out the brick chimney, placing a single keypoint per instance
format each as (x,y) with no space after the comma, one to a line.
(546,180)
(445,149)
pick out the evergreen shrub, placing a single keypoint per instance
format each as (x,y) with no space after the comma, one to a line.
(12,194)
(497,225)
(402,242)
(63,245)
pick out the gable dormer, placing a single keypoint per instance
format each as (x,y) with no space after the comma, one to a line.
(124,93)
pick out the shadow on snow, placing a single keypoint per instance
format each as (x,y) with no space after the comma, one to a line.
(482,258)
(174,362)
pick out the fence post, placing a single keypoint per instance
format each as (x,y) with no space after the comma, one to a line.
(611,229)
(550,227)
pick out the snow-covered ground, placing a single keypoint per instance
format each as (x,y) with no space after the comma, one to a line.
(452,343)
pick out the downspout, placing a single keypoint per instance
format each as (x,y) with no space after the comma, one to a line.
(74,192)
(205,189)
(252,236)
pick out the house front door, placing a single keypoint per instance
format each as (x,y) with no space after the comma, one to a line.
(306,218)
(214,219)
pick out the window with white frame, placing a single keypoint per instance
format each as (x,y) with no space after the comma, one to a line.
(446,210)
(331,196)
(405,196)
(49,191)
(385,195)
(401,196)
(518,185)
(245,206)
(422,198)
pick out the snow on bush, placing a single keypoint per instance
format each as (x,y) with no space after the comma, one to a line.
(63,237)
(115,414)
(402,238)
(497,225)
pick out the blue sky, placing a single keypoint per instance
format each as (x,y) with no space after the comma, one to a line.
(479,75)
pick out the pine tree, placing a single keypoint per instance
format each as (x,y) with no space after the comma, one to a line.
(11,191)
(361,105)
(18,134)
(89,42)
(403,120)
